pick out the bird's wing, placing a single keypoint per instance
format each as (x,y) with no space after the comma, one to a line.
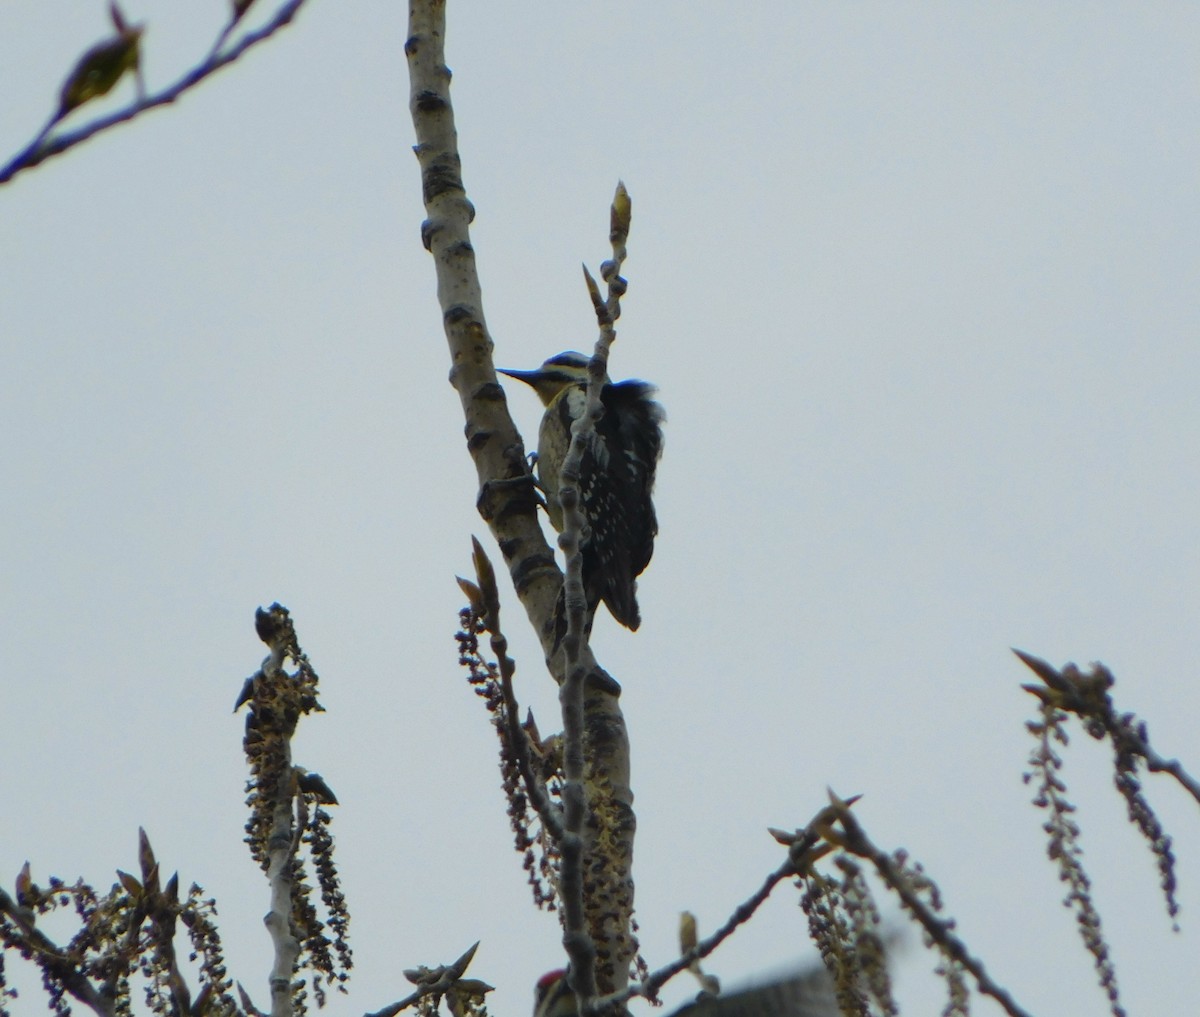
(634,421)
(809,993)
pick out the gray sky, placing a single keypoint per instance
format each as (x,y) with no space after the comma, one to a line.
(918,287)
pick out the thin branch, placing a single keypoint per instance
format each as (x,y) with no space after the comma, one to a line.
(163,930)
(518,740)
(41,149)
(413,998)
(1086,695)
(506,498)
(576,937)
(652,983)
(436,982)
(741,914)
(939,931)
(281,845)
(805,847)
(279,820)
(534,788)
(1157,764)
(67,970)
(576,940)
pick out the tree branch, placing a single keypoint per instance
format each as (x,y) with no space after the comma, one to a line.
(506,498)
(443,980)
(281,837)
(577,929)
(485,600)
(938,930)
(1086,695)
(66,969)
(741,914)
(42,148)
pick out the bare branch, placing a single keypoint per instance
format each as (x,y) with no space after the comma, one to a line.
(576,937)
(275,785)
(43,147)
(1064,849)
(1086,695)
(939,930)
(741,914)
(507,499)
(805,847)
(485,602)
(281,822)
(65,969)
(437,982)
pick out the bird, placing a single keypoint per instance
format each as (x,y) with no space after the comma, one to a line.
(616,475)
(806,994)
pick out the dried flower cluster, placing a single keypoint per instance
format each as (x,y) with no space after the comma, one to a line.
(536,845)
(1087,695)
(127,932)
(843,921)
(286,813)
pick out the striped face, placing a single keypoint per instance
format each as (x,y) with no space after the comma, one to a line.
(554,375)
(553,996)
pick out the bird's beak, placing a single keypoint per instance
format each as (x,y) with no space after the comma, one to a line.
(525,376)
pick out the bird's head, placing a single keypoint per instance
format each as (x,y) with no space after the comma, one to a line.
(553,997)
(554,375)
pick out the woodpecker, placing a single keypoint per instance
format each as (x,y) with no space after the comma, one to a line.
(808,994)
(616,475)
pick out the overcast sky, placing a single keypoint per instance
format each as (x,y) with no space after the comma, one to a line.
(918,285)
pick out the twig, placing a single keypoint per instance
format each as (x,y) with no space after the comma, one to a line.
(281,845)
(518,741)
(805,847)
(412,999)
(534,788)
(939,931)
(741,914)
(73,980)
(576,938)
(1086,695)
(436,982)
(41,149)
(498,453)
